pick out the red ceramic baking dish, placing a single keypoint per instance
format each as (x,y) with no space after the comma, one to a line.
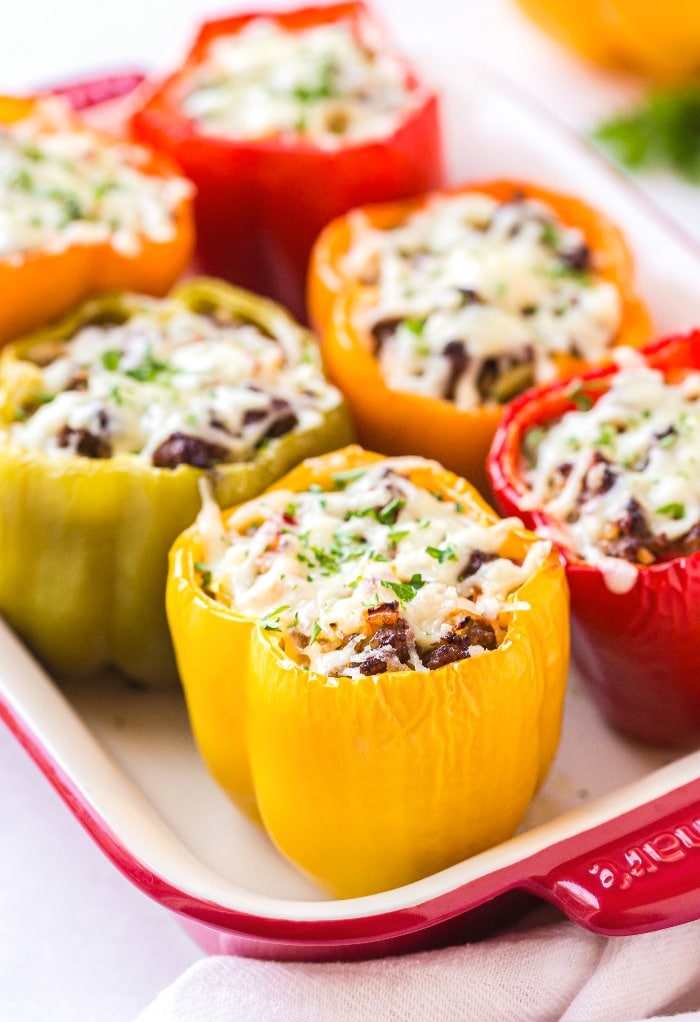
(613,837)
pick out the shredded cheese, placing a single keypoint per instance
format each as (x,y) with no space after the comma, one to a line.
(621,477)
(171,386)
(330,85)
(61,184)
(472,299)
(374,575)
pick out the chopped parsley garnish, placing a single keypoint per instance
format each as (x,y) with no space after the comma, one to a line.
(33,153)
(323,88)
(606,436)
(406,591)
(271,620)
(22,180)
(416,326)
(204,572)
(325,560)
(343,479)
(576,394)
(442,554)
(111,359)
(315,632)
(386,515)
(72,210)
(532,439)
(549,234)
(566,272)
(149,370)
(115,395)
(390,512)
(673,510)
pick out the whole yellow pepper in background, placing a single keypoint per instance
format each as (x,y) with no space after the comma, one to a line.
(660,40)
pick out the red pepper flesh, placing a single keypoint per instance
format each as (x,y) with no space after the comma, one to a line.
(639,652)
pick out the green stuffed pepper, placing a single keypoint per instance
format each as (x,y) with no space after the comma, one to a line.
(108,421)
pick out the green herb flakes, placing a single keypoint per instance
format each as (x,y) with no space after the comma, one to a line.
(406,591)
(204,574)
(673,510)
(442,554)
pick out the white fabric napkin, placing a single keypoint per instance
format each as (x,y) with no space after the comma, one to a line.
(552,971)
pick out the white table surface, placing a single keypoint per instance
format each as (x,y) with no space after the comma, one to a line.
(77,941)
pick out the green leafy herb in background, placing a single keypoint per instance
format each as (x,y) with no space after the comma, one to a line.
(663,132)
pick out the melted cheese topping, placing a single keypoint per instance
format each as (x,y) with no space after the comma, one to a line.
(220,388)
(61,184)
(374,575)
(473,298)
(621,477)
(326,84)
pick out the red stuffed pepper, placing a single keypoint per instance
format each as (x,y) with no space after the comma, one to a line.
(284,121)
(607,466)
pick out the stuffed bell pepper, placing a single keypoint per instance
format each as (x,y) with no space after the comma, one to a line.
(607,466)
(81,213)
(285,120)
(434,313)
(374,665)
(108,421)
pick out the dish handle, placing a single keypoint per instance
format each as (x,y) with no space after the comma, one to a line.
(644,877)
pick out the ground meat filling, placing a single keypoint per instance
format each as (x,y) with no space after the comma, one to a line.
(621,477)
(471,300)
(172,387)
(374,575)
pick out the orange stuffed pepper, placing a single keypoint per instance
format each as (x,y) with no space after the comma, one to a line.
(82,213)
(434,313)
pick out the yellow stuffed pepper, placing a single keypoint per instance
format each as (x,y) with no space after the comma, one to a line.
(108,421)
(374,665)
(82,213)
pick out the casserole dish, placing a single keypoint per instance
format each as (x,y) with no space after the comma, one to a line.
(613,837)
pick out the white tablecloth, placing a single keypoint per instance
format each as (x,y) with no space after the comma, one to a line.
(77,941)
